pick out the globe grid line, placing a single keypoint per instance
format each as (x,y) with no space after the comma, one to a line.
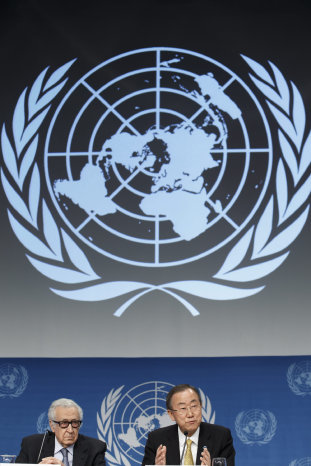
(110,108)
(97,153)
(158,90)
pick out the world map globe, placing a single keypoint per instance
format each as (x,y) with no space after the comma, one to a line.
(158,166)
(139,411)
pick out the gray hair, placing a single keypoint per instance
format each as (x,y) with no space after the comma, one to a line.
(64,403)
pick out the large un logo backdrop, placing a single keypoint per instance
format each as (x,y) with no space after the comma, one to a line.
(156,158)
(128,415)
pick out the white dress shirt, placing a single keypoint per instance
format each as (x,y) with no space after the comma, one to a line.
(58,454)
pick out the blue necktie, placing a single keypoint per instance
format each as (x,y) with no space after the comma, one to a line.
(65,456)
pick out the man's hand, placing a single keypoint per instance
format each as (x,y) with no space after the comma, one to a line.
(205,457)
(51,460)
(161,455)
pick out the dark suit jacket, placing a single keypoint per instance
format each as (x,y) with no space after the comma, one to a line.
(87,451)
(217,439)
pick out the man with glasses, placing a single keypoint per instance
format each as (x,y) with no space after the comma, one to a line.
(189,440)
(64,446)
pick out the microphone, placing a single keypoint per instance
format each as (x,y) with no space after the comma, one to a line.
(45,433)
(185,443)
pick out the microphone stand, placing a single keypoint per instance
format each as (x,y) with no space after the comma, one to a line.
(45,433)
(184,447)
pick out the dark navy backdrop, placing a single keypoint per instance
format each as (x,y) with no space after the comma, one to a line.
(265,401)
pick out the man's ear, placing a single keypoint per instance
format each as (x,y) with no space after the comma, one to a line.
(52,426)
(171,415)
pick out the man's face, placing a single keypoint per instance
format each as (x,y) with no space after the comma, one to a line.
(189,411)
(69,435)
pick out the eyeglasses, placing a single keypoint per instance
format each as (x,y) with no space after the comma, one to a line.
(183,411)
(64,424)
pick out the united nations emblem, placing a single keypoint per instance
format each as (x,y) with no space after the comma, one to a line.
(126,418)
(13,380)
(301,462)
(255,427)
(299,378)
(139,136)
(43,423)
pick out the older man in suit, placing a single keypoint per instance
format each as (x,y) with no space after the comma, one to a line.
(202,441)
(64,445)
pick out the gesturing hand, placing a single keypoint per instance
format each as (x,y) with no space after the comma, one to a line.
(160,458)
(205,457)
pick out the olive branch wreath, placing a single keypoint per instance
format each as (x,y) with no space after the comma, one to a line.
(104,431)
(104,419)
(243,437)
(37,230)
(291,383)
(301,462)
(21,387)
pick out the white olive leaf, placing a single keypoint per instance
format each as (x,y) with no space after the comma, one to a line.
(99,424)
(282,88)
(305,158)
(102,291)
(34,195)
(110,438)
(34,94)
(210,290)
(286,237)
(117,454)
(49,95)
(77,256)
(8,153)
(29,240)
(298,198)
(268,91)
(257,271)
(259,70)
(281,191)
(51,232)
(14,199)
(33,127)
(18,123)
(289,156)
(59,274)
(236,255)
(58,74)
(125,461)
(263,229)
(284,122)
(299,116)
(27,161)
(108,456)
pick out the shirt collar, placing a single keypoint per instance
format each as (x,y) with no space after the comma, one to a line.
(58,447)
(194,437)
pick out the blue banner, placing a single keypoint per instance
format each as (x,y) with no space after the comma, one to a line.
(265,401)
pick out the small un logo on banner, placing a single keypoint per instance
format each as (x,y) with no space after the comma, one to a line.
(43,422)
(255,427)
(13,380)
(299,378)
(126,418)
(301,462)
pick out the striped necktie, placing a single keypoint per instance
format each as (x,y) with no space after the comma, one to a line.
(188,455)
(65,456)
